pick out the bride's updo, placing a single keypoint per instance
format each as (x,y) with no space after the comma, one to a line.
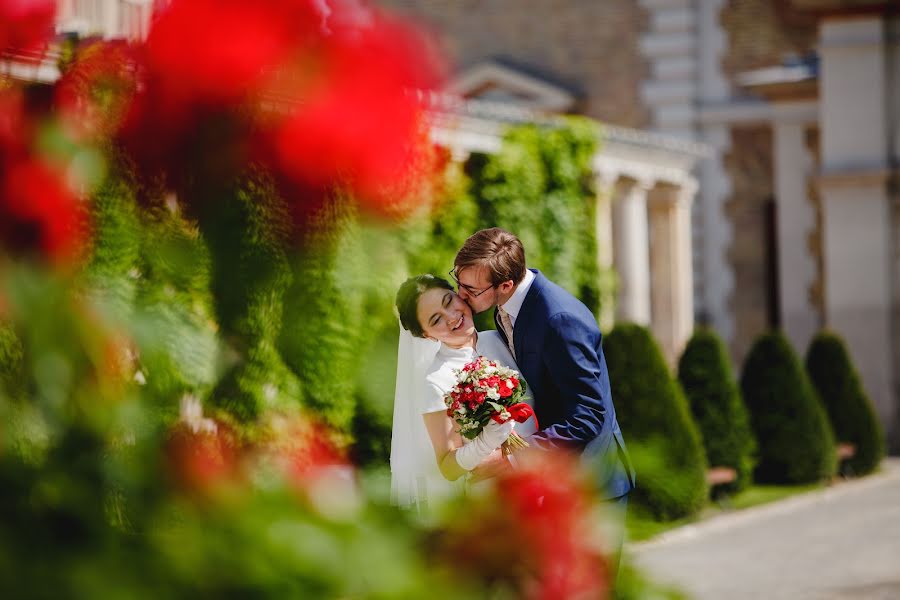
(408,300)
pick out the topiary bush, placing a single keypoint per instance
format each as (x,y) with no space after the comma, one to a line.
(849,409)
(704,372)
(796,444)
(656,422)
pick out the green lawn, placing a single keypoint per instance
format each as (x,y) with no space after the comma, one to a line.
(642,527)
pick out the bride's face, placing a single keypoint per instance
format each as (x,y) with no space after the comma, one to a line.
(445,317)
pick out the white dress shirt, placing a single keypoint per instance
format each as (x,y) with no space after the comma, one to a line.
(514,304)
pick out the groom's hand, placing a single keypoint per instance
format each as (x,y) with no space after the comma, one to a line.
(494,465)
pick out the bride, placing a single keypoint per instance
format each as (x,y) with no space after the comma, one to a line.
(437,336)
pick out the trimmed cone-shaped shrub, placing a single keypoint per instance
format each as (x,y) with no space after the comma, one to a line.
(661,435)
(849,409)
(704,372)
(795,441)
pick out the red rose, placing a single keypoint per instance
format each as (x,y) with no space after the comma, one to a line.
(521,412)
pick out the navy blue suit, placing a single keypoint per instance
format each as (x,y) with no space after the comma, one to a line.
(558,351)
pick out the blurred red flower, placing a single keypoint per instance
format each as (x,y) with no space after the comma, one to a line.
(199,73)
(534,533)
(553,510)
(25,24)
(200,461)
(94,93)
(219,51)
(13,126)
(305,448)
(358,117)
(39,214)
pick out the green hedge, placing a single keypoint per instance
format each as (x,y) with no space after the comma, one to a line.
(796,444)
(656,421)
(247,231)
(849,409)
(704,372)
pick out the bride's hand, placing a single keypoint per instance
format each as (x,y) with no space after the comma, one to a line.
(495,433)
(494,465)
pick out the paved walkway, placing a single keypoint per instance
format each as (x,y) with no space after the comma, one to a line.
(839,543)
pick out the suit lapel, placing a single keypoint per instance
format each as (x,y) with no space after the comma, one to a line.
(526,313)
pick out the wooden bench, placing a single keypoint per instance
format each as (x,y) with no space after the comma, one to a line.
(845,450)
(720,475)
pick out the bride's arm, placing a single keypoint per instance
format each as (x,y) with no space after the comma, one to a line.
(445,441)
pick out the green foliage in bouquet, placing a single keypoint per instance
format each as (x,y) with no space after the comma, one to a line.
(796,444)
(850,411)
(704,372)
(663,439)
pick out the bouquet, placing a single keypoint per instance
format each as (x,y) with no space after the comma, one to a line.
(484,391)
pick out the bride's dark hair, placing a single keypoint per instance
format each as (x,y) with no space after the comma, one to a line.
(408,300)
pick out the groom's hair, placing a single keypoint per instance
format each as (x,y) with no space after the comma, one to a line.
(496,249)
(407,300)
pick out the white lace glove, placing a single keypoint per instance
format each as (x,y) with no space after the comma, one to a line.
(470,455)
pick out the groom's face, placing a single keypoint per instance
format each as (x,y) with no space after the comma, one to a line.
(476,289)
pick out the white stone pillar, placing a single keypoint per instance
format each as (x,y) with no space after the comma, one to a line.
(795,222)
(603,230)
(632,250)
(857,236)
(671,267)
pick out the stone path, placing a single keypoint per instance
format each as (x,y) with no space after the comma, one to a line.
(839,543)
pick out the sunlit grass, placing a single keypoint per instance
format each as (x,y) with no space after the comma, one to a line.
(642,527)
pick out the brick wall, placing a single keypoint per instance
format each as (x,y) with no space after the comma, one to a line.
(590,46)
(761,33)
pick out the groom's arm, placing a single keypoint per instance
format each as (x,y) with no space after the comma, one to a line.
(579,373)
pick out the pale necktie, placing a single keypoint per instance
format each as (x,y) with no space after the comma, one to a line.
(506,323)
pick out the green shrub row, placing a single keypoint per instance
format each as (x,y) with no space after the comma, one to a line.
(779,426)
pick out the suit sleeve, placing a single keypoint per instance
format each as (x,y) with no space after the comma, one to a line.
(579,373)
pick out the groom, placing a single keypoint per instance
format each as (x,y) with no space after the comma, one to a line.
(557,345)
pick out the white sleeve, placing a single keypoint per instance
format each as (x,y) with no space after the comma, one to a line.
(432,398)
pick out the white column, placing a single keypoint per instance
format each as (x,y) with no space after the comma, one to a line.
(603,229)
(795,222)
(671,267)
(632,250)
(857,236)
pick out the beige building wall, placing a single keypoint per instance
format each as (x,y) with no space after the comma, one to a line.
(589,46)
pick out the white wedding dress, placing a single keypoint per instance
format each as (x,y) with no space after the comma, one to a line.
(424,375)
